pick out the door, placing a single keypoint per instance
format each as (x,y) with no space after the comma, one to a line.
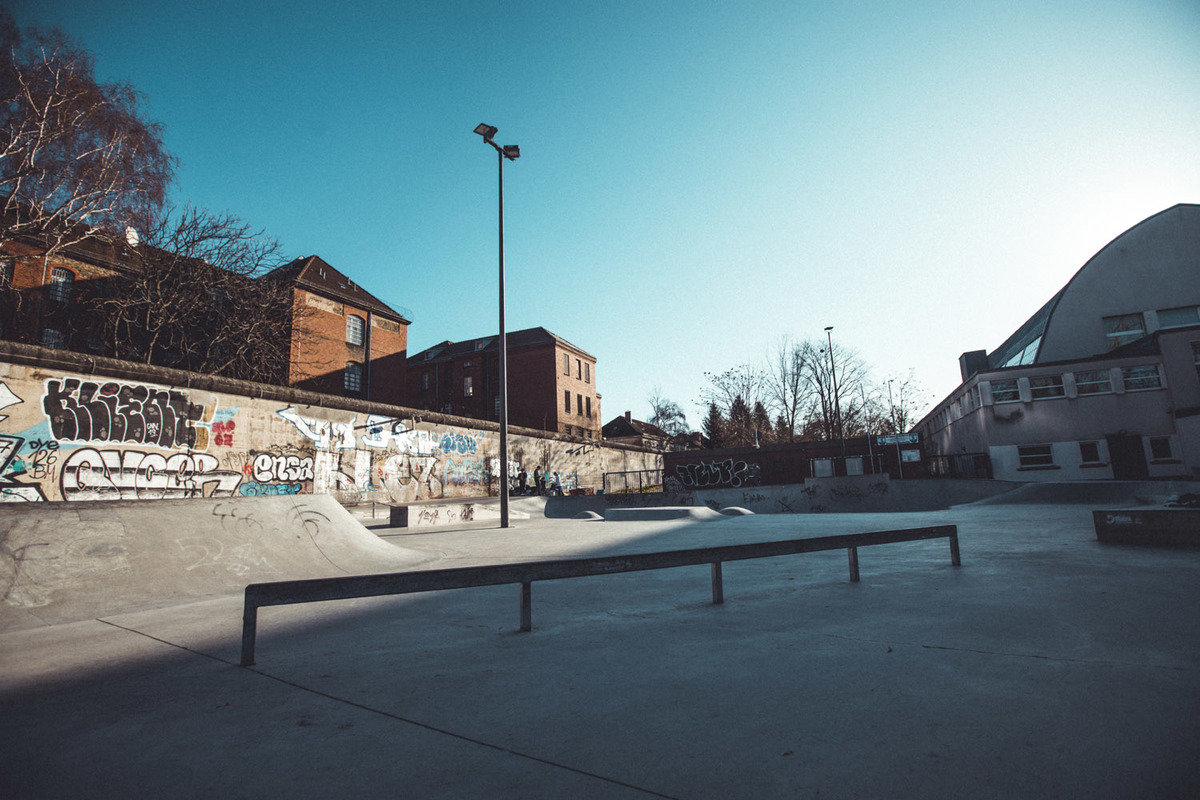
(1127,456)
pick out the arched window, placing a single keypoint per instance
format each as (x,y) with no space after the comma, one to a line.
(60,284)
(354,329)
(354,377)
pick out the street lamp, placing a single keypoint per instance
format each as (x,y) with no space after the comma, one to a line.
(837,408)
(512,152)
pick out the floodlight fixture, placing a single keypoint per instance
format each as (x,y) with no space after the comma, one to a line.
(512,152)
(486,131)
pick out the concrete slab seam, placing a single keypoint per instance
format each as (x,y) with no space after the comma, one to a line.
(396,717)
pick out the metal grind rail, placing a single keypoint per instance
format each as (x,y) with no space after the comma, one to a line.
(281,593)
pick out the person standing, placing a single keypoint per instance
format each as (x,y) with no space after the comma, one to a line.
(539,480)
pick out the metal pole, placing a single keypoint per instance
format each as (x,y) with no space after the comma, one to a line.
(503,365)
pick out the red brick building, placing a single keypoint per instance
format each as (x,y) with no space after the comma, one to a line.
(42,299)
(345,341)
(551,382)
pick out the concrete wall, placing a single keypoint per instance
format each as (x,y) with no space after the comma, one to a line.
(80,428)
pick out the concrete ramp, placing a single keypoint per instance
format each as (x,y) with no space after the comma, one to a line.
(63,562)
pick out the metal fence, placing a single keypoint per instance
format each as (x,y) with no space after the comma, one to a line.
(638,482)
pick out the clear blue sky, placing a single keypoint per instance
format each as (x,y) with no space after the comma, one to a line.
(697,179)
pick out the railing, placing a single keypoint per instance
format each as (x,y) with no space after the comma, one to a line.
(633,482)
(320,589)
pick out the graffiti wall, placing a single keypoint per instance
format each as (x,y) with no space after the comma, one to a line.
(73,437)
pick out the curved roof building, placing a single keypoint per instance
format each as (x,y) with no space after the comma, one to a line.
(1102,382)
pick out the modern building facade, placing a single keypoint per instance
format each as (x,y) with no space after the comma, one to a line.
(1103,382)
(551,382)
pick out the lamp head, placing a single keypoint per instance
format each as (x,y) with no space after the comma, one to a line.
(512,152)
(486,131)
(829,328)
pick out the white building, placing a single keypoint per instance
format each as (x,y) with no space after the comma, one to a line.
(1102,382)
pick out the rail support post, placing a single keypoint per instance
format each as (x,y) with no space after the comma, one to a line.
(249,632)
(853,553)
(718,588)
(954,559)
(526,606)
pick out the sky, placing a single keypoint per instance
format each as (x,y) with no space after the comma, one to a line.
(697,180)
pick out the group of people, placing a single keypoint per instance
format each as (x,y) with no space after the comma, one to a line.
(539,483)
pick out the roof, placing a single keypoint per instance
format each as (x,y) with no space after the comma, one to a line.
(1024,345)
(316,275)
(516,340)
(622,427)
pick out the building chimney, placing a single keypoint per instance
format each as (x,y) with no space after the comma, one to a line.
(131,237)
(629,416)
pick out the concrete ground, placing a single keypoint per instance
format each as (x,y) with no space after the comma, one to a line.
(1047,665)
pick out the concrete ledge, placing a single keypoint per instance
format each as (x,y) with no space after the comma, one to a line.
(1162,527)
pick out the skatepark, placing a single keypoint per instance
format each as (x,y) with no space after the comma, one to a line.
(1047,664)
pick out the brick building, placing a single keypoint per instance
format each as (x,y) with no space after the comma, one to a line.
(551,382)
(345,341)
(43,300)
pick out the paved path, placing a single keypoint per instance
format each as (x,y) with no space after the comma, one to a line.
(1047,665)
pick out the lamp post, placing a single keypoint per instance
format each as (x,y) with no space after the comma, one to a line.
(512,152)
(837,407)
(895,430)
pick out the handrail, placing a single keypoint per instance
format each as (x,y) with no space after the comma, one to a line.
(525,573)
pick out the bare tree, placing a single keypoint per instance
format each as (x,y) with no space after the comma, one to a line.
(198,298)
(666,414)
(905,406)
(787,391)
(77,158)
(744,381)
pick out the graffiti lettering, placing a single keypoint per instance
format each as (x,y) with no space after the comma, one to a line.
(458,443)
(89,474)
(252,489)
(86,411)
(718,473)
(324,434)
(223,433)
(267,468)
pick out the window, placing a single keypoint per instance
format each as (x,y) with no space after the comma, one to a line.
(567,401)
(579,369)
(60,284)
(425,381)
(1196,357)
(354,377)
(566,364)
(1139,379)
(1044,387)
(1034,456)
(1089,452)
(6,272)
(1098,382)
(1123,329)
(354,329)
(579,404)
(1026,356)
(1160,448)
(468,388)
(52,338)
(1179,317)
(587,372)
(1005,392)
(587,402)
